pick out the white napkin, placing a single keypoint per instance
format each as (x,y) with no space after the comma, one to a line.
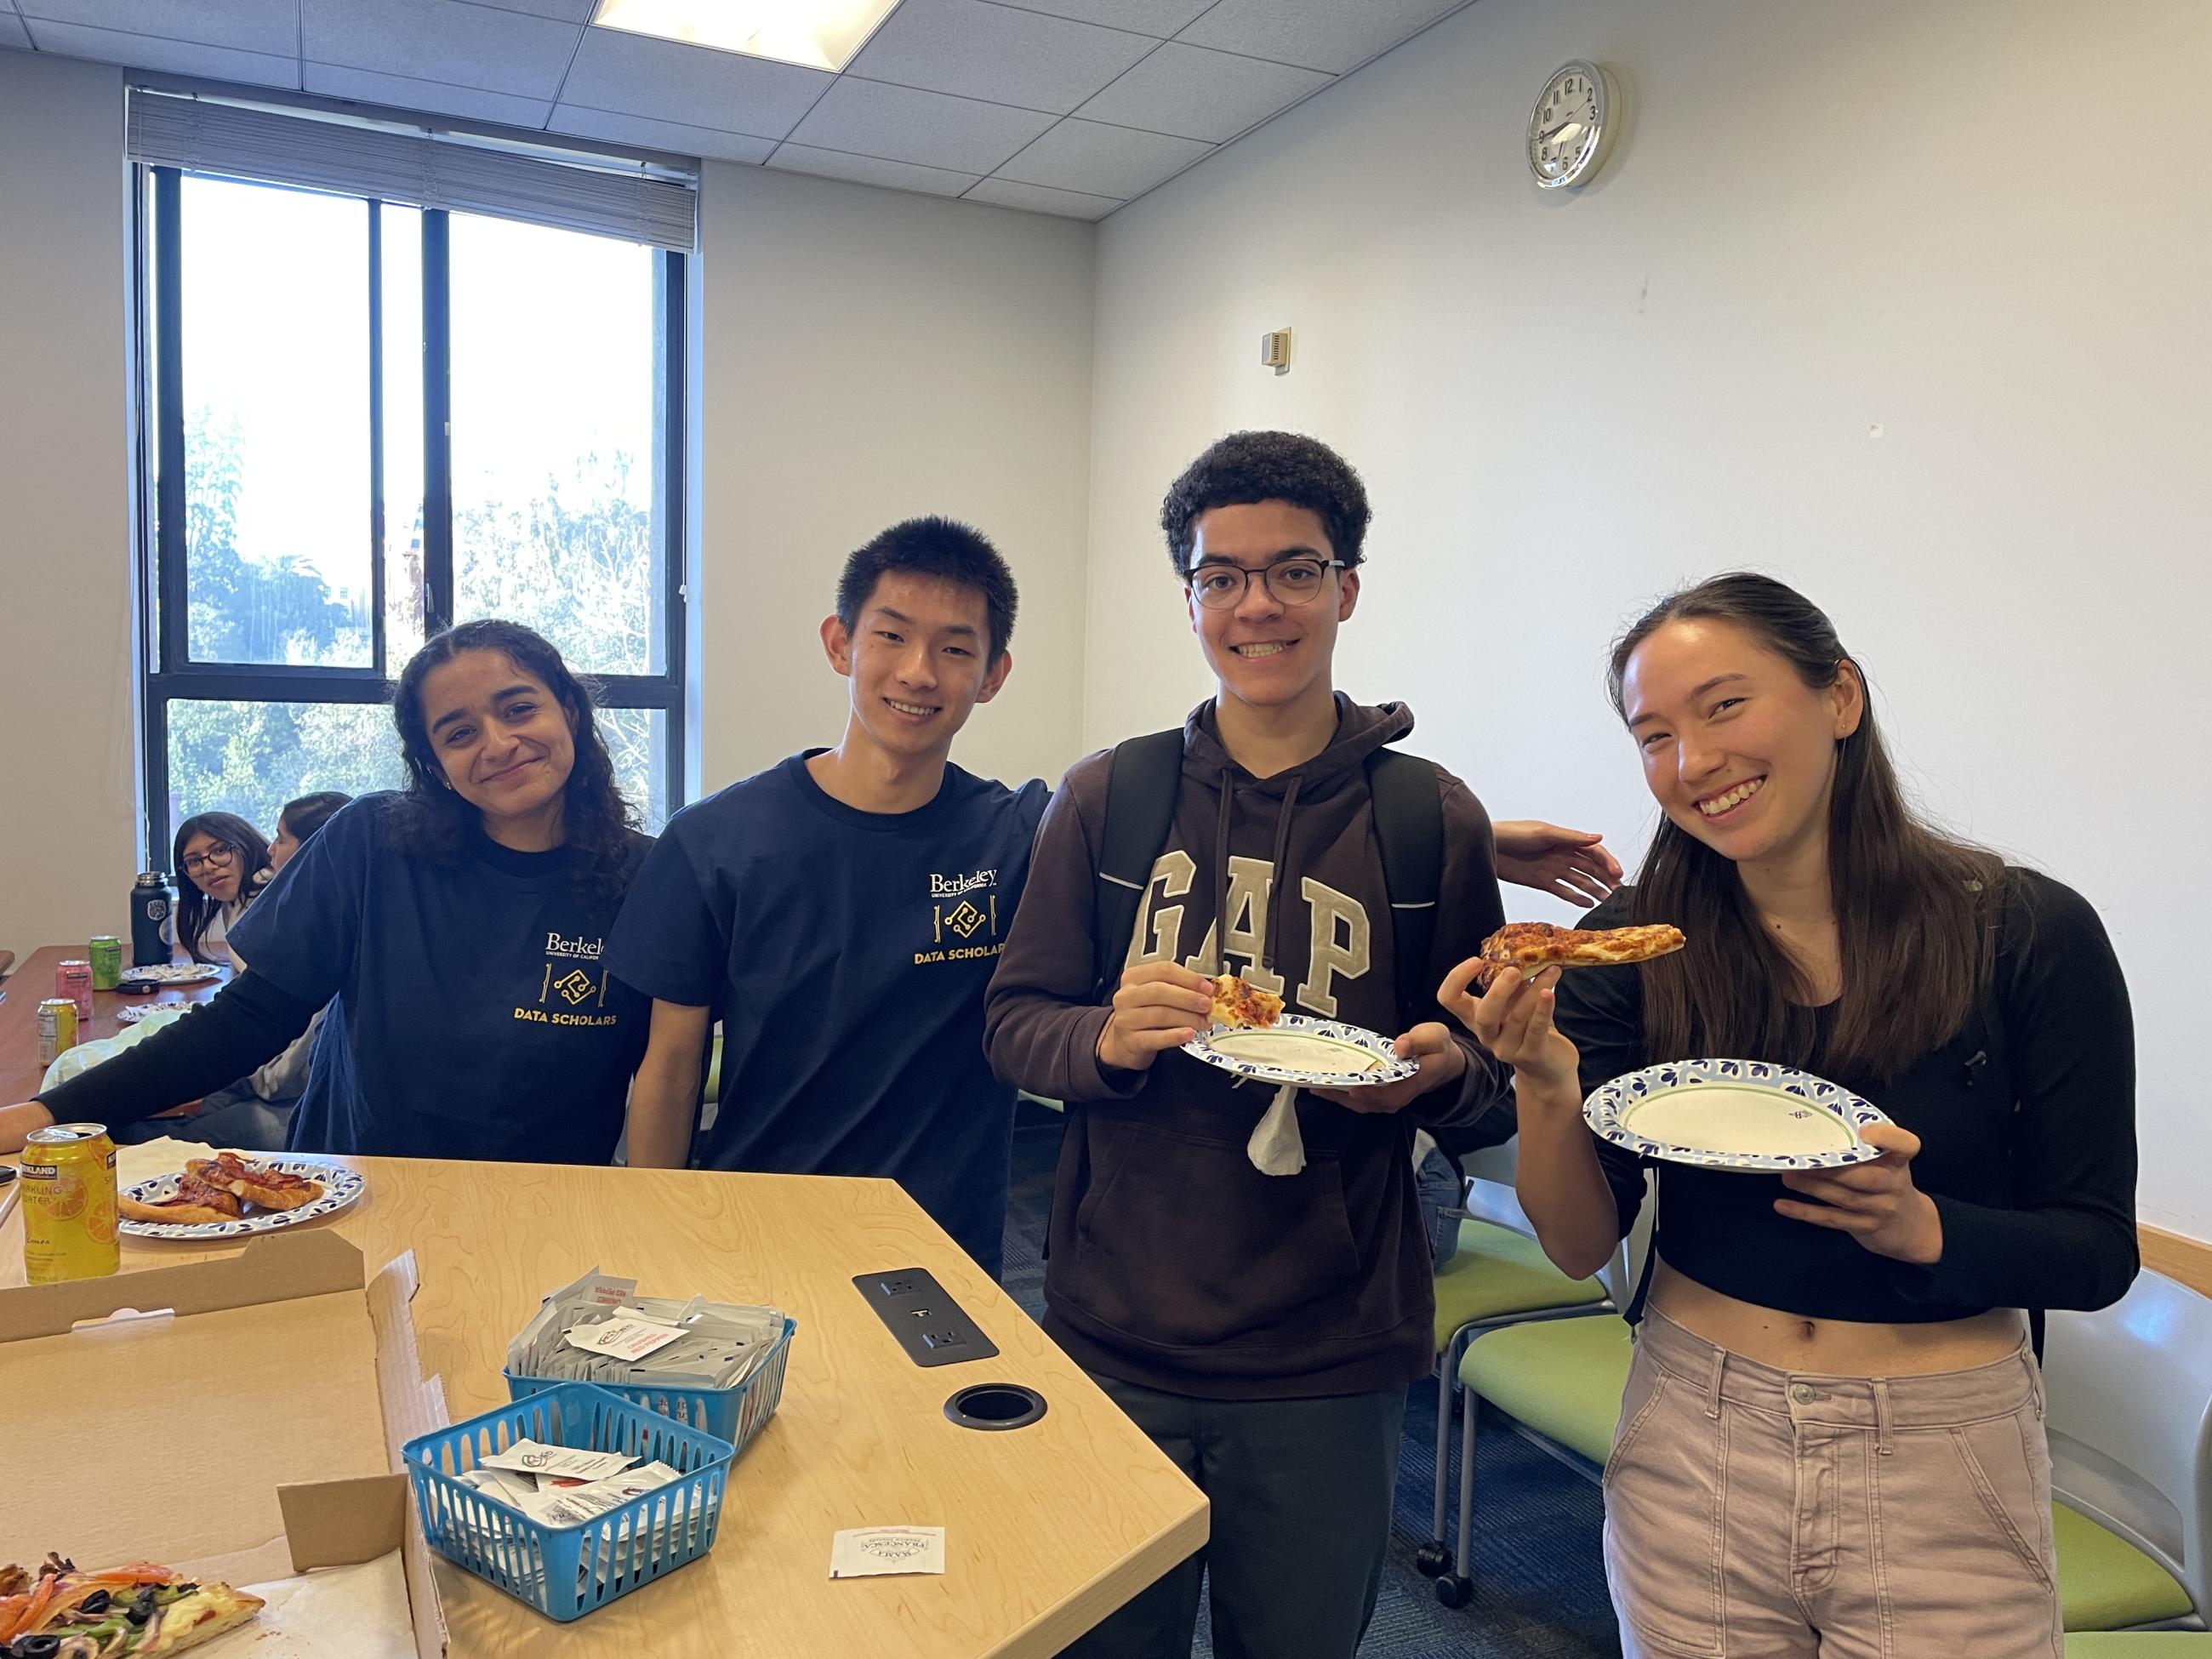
(1276,1148)
(156,1157)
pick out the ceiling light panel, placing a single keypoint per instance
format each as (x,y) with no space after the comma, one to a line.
(818,33)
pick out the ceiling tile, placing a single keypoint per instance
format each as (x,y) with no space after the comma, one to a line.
(673,136)
(870,170)
(568,11)
(399,92)
(1196,94)
(1157,18)
(1101,159)
(12,32)
(667,80)
(440,40)
(176,57)
(264,26)
(977,50)
(1320,34)
(1038,198)
(867,118)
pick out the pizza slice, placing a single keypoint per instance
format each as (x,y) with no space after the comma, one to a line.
(257,1183)
(1237,1004)
(139,1610)
(1532,946)
(196,1203)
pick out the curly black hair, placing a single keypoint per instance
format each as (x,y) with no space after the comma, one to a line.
(431,818)
(943,548)
(1246,467)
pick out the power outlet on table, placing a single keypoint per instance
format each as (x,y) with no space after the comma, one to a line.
(933,1328)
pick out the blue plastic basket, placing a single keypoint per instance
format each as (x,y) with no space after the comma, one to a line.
(732,1414)
(566,1572)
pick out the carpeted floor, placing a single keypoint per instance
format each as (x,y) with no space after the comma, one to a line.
(1538,1583)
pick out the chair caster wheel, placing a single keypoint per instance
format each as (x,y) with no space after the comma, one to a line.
(1431,1561)
(1453,1591)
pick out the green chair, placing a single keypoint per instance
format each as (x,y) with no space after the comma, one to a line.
(2129,1419)
(1500,1276)
(2140,1644)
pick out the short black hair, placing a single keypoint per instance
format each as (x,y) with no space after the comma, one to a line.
(308,814)
(1246,467)
(943,548)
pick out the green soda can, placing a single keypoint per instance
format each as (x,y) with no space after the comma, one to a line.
(105,954)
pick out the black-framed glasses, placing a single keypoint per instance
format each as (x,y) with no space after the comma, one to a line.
(216,857)
(1292,581)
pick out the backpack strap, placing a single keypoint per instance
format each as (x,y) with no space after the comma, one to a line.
(1409,830)
(1141,782)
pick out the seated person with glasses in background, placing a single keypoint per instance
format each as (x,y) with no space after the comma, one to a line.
(224,862)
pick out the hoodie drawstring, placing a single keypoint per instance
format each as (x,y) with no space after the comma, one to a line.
(1221,872)
(1225,894)
(1276,883)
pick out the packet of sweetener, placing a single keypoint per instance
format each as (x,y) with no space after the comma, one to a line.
(867,1552)
(579,1504)
(534,1457)
(623,1337)
(501,1485)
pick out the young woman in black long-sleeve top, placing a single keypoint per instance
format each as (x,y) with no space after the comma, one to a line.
(1832,1439)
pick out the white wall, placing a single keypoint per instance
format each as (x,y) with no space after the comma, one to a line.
(870,356)
(67,758)
(1974,228)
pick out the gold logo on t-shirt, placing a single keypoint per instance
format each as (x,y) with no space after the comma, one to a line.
(577,986)
(964,919)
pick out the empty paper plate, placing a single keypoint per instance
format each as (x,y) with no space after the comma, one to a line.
(1734,1115)
(1322,1054)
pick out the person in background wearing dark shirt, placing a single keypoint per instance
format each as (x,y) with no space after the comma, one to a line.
(840,912)
(1262,1328)
(1832,1436)
(456,928)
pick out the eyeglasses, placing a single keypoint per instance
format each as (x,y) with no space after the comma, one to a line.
(1292,581)
(218,856)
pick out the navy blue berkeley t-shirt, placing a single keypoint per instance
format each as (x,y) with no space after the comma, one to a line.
(846,953)
(472,1015)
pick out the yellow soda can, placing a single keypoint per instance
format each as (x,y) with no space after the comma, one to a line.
(69,1204)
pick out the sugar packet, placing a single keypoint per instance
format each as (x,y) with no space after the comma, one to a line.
(534,1457)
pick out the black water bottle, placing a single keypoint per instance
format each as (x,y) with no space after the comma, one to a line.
(153,928)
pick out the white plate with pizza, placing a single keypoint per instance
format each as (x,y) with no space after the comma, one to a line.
(235,1195)
(155,977)
(1253,1038)
(1745,1115)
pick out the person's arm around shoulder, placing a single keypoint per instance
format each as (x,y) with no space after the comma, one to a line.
(664,1097)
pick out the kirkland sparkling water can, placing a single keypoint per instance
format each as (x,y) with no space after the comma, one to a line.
(73,979)
(69,1204)
(106,952)
(153,928)
(57,1029)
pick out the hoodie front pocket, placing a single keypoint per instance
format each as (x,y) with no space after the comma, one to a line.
(1182,1241)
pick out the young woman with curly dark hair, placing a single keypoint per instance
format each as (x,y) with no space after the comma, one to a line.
(457,926)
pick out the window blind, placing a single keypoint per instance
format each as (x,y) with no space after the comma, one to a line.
(417,169)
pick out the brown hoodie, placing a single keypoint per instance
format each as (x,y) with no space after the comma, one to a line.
(1171,1262)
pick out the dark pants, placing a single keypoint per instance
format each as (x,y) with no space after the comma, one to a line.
(1301,1494)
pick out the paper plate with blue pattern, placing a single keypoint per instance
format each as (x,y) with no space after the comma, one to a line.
(1318,1054)
(341,1187)
(1734,1115)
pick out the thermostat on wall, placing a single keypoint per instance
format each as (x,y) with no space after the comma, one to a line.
(1275,351)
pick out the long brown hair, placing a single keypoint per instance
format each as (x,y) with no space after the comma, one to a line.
(1914,910)
(195,909)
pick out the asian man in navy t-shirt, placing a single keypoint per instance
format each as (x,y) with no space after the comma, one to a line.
(842,911)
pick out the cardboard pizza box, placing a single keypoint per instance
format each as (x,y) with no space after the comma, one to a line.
(239,1419)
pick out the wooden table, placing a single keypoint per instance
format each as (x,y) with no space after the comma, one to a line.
(32,982)
(1048,1527)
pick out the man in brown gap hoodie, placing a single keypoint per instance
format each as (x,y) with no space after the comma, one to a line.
(1262,1329)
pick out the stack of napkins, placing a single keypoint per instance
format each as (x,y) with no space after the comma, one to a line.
(600,1330)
